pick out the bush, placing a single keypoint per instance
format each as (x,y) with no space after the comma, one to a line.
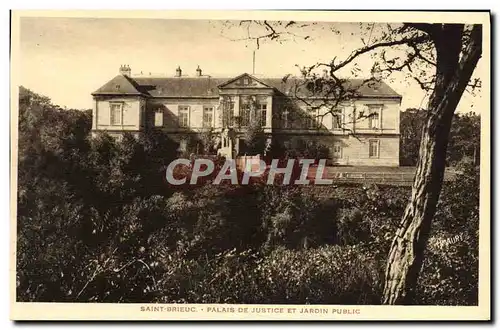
(450,270)
(451,264)
(297,220)
(327,275)
(217,218)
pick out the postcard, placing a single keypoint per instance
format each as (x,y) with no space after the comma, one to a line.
(250,165)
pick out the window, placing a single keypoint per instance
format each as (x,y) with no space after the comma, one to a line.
(228,113)
(183,116)
(284,118)
(245,81)
(337,150)
(158,118)
(263,114)
(245,114)
(374,148)
(116,113)
(250,115)
(208,116)
(311,119)
(374,117)
(337,121)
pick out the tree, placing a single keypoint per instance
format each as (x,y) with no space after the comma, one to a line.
(208,140)
(442,59)
(411,123)
(457,54)
(253,132)
(464,139)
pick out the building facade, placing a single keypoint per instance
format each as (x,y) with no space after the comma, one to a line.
(364,130)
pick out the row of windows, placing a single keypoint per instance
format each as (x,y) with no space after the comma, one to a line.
(373,149)
(314,120)
(247,116)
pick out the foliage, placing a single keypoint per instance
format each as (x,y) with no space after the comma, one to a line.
(208,140)
(293,220)
(297,147)
(464,138)
(451,266)
(283,276)
(411,123)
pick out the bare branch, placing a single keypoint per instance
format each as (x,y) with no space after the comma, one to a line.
(404,41)
(430,29)
(418,53)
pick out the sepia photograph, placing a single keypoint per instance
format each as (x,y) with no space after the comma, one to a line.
(250,165)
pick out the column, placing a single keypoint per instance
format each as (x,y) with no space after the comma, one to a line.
(236,105)
(269,112)
(219,112)
(94,115)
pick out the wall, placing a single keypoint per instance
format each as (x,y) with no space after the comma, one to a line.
(357,151)
(350,111)
(132,119)
(389,115)
(170,108)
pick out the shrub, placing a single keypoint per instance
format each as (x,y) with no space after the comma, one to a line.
(217,218)
(451,264)
(294,219)
(450,271)
(327,275)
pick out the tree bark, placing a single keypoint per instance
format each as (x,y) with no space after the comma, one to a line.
(452,76)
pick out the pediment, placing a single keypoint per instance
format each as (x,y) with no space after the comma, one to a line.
(244,81)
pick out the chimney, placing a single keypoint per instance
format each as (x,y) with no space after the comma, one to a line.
(125,70)
(198,71)
(178,72)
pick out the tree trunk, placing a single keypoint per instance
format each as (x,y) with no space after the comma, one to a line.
(452,76)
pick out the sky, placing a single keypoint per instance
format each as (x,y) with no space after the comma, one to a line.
(67,59)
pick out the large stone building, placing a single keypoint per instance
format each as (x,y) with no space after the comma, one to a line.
(361,131)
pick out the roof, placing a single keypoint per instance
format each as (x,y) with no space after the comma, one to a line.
(122,85)
(207,87)
(181,86)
